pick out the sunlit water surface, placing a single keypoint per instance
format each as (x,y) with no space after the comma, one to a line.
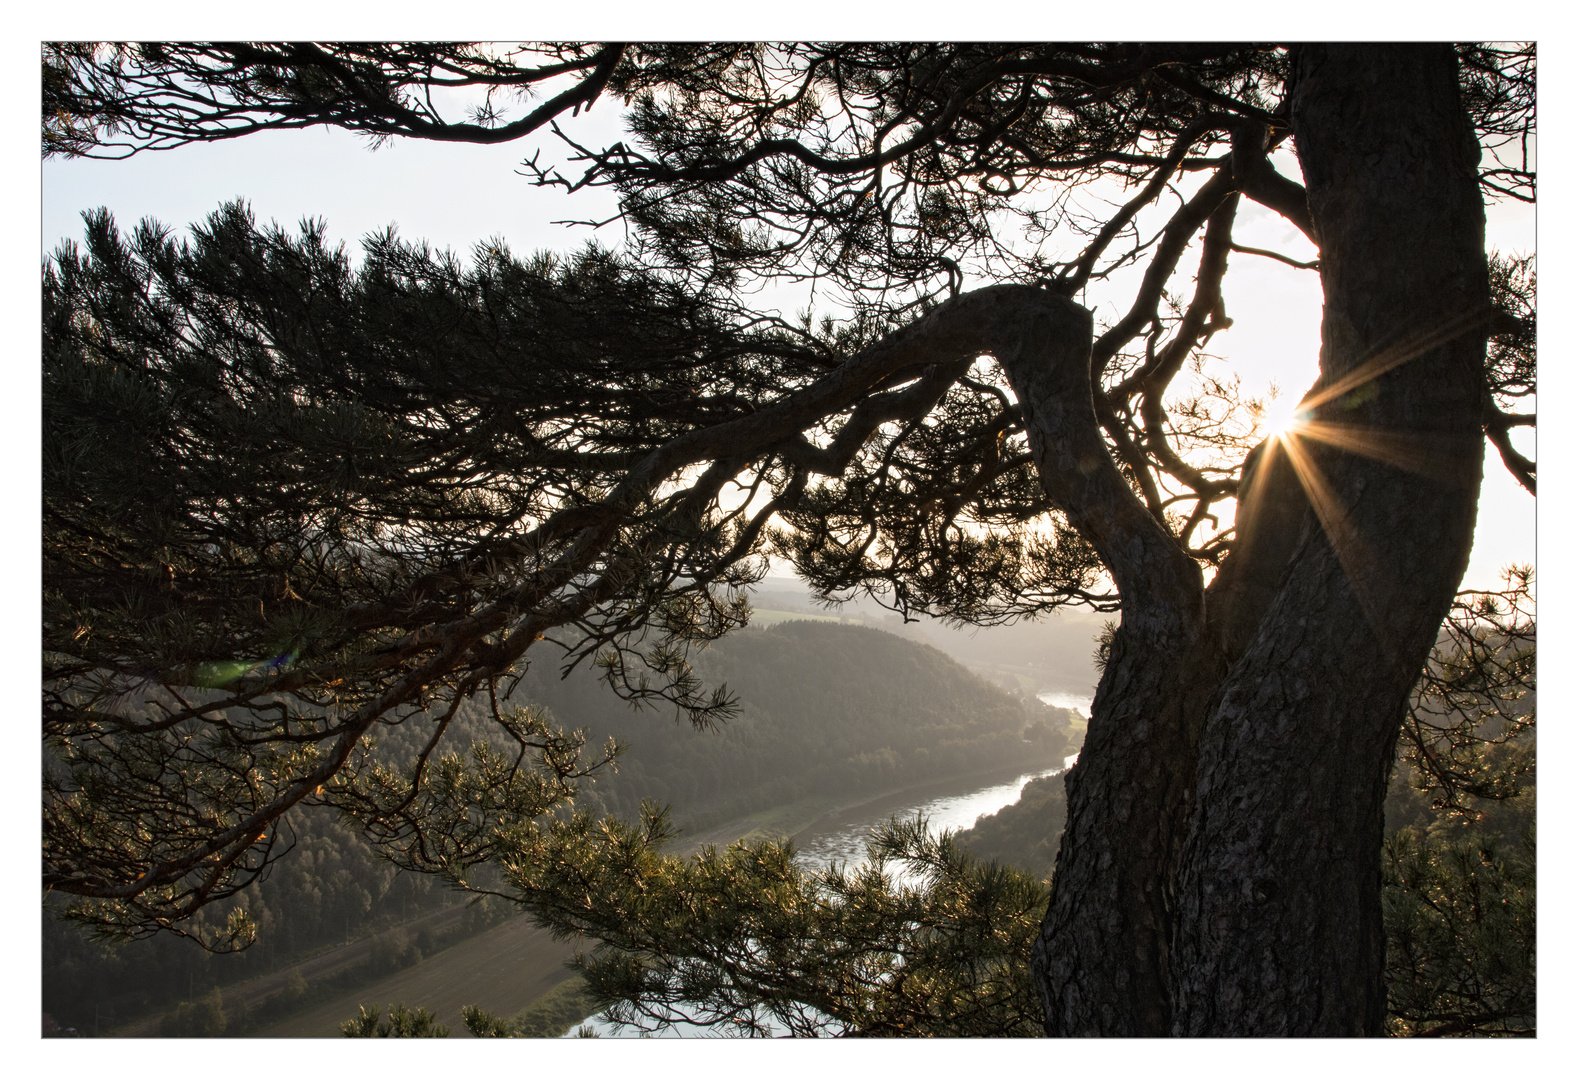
(845,843)
(1062,699)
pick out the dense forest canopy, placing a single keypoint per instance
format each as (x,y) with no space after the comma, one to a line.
(291,500)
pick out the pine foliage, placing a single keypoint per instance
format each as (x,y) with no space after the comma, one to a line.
(292,500)
(745,942)
(1459,871)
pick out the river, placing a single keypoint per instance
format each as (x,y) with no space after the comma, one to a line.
(844,840)
(841,838)
(1064,699)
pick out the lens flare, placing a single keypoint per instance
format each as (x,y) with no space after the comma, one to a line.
(1292,428)
(219,675)
(1280,416)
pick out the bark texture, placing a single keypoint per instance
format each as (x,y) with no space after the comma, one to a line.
(1279,920)
(1219,872)
(1126,792)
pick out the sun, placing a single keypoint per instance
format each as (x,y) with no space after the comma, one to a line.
(1279,417)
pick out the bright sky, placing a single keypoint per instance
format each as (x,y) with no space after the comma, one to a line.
(457,196)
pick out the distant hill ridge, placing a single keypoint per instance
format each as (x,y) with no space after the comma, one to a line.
(826,709)
(1056,652)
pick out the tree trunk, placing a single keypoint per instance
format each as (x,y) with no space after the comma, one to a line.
(1220,870)
(1127,793)
(1279,915)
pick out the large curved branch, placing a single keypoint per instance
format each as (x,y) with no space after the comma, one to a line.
(1042,342)
(1259,180)
(1139,745)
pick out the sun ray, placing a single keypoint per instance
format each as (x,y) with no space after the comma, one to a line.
(1352,552)
(1444,458)
(1412,344)
(1260,474)
(1438,457)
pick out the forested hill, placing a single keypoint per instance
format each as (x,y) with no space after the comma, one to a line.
(826,709)
(1025,833)
(1056,652)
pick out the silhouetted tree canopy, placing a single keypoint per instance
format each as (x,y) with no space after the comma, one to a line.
(291,497)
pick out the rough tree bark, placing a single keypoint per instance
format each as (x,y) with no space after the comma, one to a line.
(1131,746)
(1279,916)
(1219,873)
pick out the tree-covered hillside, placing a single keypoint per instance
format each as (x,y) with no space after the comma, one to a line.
(333,889)
(1025,833)
(825,709)
(1057,651)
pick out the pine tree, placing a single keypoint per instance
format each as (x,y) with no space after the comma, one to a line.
(288,500)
